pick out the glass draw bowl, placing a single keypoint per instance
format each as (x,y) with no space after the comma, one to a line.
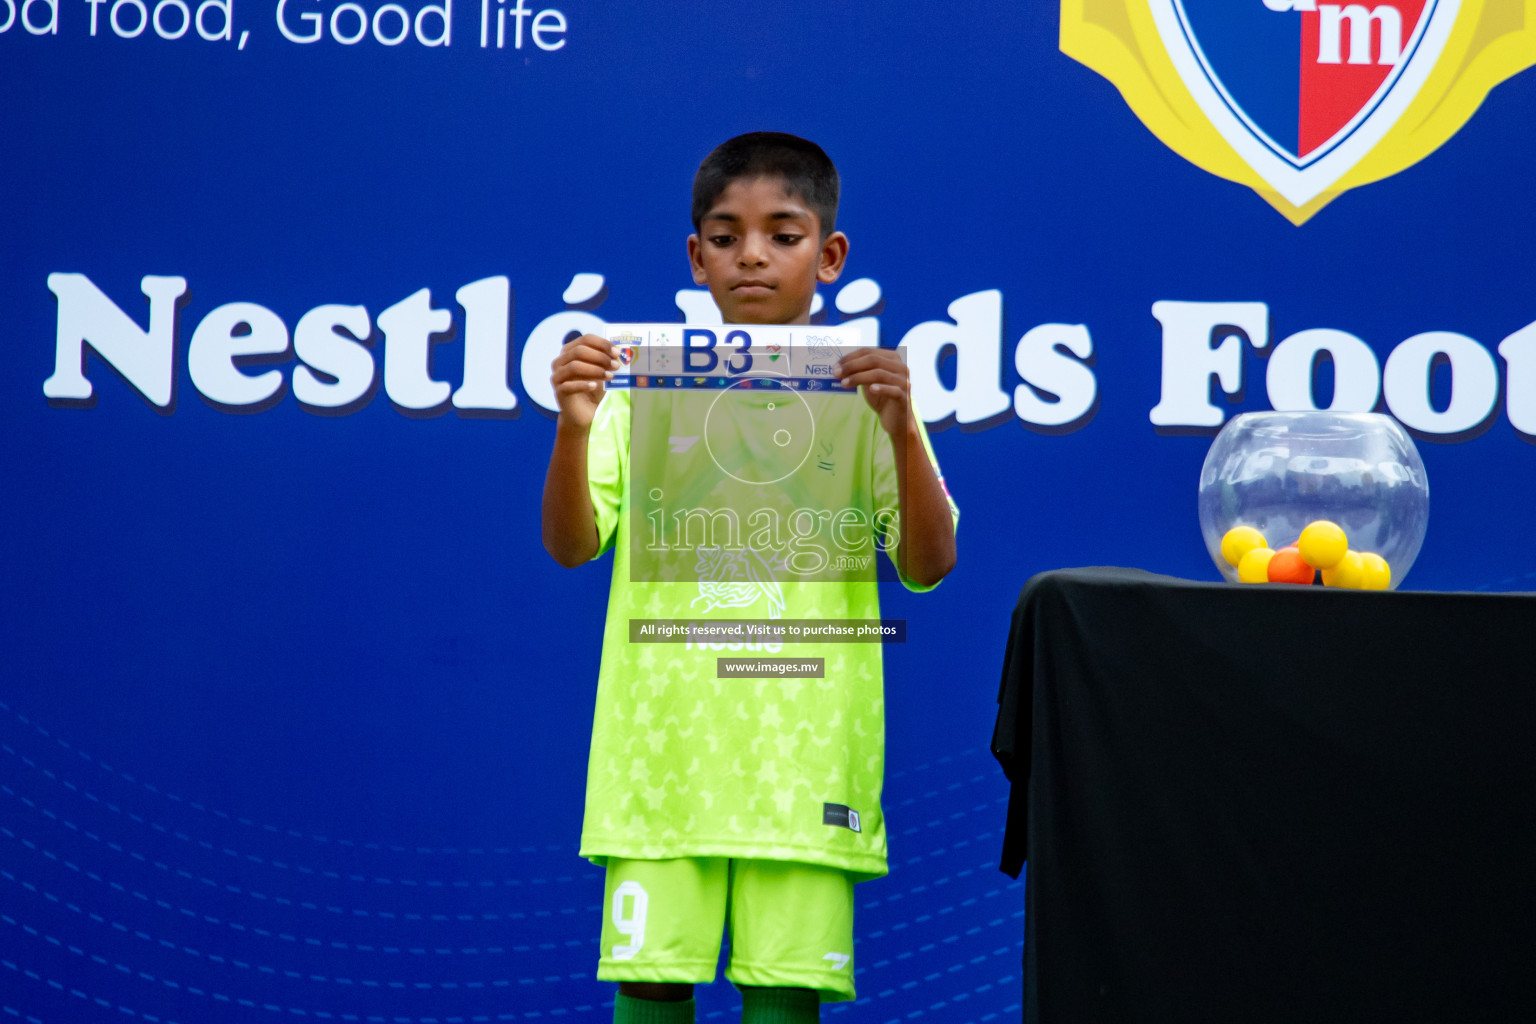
(1279,471)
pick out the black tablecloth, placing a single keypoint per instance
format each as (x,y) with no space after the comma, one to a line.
(1271,803)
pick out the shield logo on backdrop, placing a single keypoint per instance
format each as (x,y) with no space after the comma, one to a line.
(1302,100)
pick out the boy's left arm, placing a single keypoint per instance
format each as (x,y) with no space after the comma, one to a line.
(925,548)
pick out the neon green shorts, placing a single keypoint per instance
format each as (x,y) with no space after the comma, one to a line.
(791,925)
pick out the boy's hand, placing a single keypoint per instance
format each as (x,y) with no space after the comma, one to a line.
(882,374)
(578,374)
(925,551)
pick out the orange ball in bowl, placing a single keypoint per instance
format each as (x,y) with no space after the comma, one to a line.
(1289,567)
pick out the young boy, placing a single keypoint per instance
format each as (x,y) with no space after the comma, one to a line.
(749,804)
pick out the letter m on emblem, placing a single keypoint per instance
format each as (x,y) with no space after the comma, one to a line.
(1362,22)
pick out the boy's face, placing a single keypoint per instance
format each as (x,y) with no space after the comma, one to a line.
(760,252)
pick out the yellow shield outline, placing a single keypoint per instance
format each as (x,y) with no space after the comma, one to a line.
(1491,40)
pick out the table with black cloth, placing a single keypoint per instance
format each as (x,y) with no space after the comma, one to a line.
(1271,803)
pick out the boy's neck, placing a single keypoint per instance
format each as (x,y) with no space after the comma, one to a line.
(803,320)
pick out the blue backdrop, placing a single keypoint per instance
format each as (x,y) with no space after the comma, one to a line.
(294,707)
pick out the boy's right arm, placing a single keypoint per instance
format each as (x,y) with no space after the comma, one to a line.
(569,523)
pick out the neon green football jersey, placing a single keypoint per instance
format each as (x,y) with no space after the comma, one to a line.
(744,506)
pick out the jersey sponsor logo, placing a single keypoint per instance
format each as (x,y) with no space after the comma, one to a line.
(839,960)
(1302,100)
(739,579)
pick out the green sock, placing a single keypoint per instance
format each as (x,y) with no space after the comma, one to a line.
(780,1006)
(629,1010)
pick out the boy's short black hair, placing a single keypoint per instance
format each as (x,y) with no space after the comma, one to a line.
(808,173)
